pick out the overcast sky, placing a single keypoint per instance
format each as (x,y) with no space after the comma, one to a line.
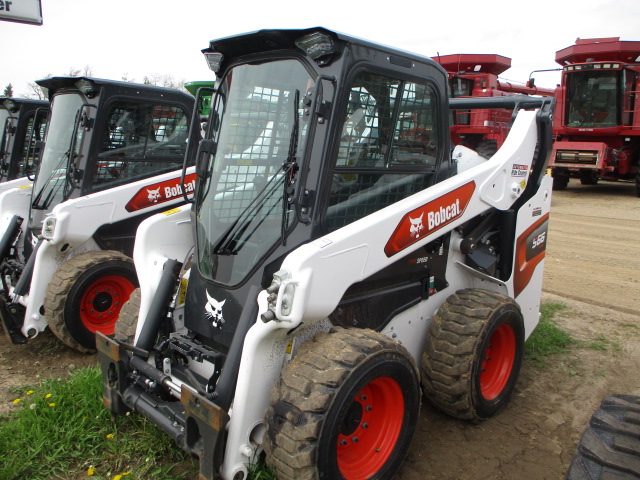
(164,37)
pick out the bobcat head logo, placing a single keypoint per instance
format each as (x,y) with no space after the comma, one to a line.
(213,310)
(416,226)
(154,195)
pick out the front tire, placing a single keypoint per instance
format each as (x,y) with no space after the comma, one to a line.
(85,296)
(125,328)
(346,407)
(473,354)
(560,181)
(589,177)
(487,148)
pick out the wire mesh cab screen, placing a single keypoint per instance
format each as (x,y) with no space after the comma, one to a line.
(140,140)
(388,149)
(242,210)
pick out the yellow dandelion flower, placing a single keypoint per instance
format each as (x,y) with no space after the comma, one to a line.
(91,471)
(30,392)
(17,400)
(110,435)
(48,395)
(52,404)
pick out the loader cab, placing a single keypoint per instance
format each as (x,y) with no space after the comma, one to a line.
(22,126)
(105,133)
(309,131)
(594,95)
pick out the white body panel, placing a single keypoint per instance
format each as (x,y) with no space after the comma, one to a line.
(160,237)
(77,220)
(15,183)
(15,202)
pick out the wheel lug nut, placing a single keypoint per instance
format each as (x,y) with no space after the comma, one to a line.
(343,442)
(354,439)
(365,425)
(363,397)
(368,408)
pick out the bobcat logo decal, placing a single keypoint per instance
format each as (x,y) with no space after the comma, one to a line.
(416,226)
(154,195)
(213,310)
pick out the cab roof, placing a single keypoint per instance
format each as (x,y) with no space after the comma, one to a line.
(268,40)
(54,84)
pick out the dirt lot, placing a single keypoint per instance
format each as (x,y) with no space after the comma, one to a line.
(592,266)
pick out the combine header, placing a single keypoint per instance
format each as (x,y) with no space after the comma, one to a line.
(476,75)
(597,122)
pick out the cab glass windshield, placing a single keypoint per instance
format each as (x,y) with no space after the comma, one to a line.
(593,99)
(52,172)
(242,208)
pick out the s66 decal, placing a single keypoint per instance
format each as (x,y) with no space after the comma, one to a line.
(531,247)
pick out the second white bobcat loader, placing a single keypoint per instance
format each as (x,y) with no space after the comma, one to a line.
(112,156)
(337,257)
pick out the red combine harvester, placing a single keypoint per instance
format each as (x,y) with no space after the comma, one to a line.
(476,75)
(597,121)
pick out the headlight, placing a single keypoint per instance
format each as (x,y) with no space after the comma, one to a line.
(49,227)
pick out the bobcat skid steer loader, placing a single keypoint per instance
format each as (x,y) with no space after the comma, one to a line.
(23,122)
(337,257)
(113,155)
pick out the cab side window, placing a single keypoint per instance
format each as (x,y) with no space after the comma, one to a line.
(34,134)
(139,141)
(388,148)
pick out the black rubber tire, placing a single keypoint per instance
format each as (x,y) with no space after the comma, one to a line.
(610,445)
(319,403)
(560,181)
(487,148)
(127,322)
(638,182)
(588,178)
(70,282)
(459,348)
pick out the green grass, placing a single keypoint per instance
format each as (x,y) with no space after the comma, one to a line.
(60,428)
(547,339)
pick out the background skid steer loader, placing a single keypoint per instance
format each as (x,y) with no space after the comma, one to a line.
(112,157)
(336,257)
(23,122)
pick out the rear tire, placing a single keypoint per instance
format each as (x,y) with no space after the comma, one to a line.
(86,294)
(638,182)
(346,407)
(473,354)
(610,445)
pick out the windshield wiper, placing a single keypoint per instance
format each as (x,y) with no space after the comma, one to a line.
(289,191)
(36,200)
(223,246)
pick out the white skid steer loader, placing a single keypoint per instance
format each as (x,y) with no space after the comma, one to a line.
(337,256)
(113,156)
